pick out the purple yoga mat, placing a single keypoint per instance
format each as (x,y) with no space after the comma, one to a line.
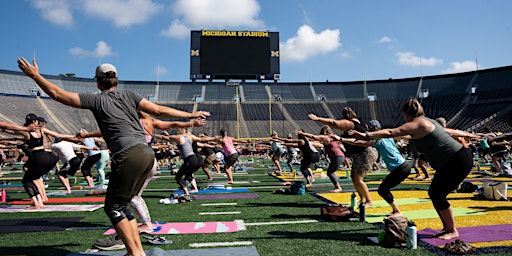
(225,196)
(470,234)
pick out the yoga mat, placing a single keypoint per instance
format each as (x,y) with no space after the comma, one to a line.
(52,208)
(37,224)
(156,251)
(421,214)
(192,227)
(470,234)
(210,191)
(64,200)
(63,193)
(226,196)
(11,185)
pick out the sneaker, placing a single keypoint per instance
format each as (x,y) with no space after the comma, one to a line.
(113,242)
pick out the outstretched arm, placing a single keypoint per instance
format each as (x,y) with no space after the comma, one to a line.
(164,125)
(55,92)
(163,111)
(342,124)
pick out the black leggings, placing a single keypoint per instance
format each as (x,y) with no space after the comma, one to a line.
(334,163)
(394,178)
(190,165)
(448,177)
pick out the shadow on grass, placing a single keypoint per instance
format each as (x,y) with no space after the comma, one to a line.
(291,204)
(36,251)
(354,235)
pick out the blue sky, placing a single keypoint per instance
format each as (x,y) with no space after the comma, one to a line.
(321,40)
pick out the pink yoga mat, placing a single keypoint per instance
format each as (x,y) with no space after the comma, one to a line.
(192,227)
(470,234)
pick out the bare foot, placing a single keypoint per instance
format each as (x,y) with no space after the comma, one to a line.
(368,203)
(193,191)
(229,182)
(145,228)
(449,235)
(33,207)
(309,185)
(427,179)
(440,233)
(336,190)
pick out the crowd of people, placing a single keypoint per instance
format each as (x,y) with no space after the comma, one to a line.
(127,140)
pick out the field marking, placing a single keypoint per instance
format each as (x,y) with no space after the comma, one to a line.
(215,244)
(218,213)
(218,204)
(281,222)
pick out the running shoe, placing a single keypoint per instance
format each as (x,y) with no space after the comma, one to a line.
(113,242)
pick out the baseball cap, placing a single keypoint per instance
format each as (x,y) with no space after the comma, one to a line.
(375,123)
(41,119)
(30,118)
(103,69)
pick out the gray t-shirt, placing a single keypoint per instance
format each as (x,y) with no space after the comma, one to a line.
(116,115)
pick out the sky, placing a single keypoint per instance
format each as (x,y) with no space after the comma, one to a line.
(322,40)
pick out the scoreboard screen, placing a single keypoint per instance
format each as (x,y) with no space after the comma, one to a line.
(222,54)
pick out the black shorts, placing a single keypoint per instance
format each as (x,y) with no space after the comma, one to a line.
(231,159)
(40,163)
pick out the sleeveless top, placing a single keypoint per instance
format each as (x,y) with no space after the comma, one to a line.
(438,146)
(228,147)
(351,149)
(333,149)
(33,142)
(186,149)
(307,149)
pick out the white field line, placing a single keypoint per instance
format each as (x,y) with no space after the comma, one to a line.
(198,245)
(218,213)
(218,204)
(281,222)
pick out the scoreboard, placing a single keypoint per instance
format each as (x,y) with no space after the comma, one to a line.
(228,54)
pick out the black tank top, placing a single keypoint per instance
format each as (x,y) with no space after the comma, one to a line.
(33,142)
(351,149)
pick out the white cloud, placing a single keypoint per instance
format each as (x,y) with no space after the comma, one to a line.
(122,13)
(459,67)
(57,12)
(213,14)
(161,70)
(409,59)
(385,39)
(102,50)
(307,44)
(345,55)
(176,29)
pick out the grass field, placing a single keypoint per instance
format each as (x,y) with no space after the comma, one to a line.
(314,238)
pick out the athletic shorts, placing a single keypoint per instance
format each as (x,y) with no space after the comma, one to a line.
(209,159)
(231,159)
(130,168)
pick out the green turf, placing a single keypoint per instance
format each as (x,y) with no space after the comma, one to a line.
(322,238)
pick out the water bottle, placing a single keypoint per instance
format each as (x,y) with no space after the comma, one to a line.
(412,239)
(362,212)
(353,200)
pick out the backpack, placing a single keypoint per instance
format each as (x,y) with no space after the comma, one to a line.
(506,168)
(337,213)
(467,187)
(298,188)
(395,234)
(496,190)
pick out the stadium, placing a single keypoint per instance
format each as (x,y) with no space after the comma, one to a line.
(469,101)
(246,97)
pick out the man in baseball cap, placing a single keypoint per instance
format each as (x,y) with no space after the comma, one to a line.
(106,70)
